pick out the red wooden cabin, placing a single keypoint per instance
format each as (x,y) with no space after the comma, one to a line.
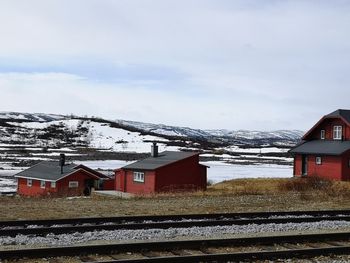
(325,150)
(162,172)
(48,179)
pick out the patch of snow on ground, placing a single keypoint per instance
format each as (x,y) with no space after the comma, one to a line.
(106,137)
(256,150)
(56,154)
(62,150)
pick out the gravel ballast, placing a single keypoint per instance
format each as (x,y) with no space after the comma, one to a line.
(168,234)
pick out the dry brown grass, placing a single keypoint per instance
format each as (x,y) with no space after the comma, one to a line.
(244,195)
(247,186)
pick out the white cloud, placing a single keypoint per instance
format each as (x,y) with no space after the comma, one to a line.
(209,64)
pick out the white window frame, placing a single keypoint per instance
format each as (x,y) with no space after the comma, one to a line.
(139,177)
(73,184)
(42,184)
(318,160)
(337,132)
(323,134)
(29,182)
(53,184)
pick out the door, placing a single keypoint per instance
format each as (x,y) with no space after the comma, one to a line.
(88,184)
(304,165)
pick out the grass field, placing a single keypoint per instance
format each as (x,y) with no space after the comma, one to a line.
(242,195)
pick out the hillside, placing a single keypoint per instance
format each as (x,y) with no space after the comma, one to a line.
(26,138)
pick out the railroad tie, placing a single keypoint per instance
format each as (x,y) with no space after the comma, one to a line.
(335,243)
(86,259)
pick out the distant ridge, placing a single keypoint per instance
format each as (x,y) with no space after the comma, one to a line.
(240,137)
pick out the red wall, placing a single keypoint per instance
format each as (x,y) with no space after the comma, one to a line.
(108,184)
(35,189)
(119,180)
(345,166)
(124,181)
(182,175)
(327,125)
(61,189)
(331,167)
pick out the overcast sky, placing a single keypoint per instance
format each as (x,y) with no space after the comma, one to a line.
(259,65)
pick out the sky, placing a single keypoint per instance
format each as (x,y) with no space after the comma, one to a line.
(208,64)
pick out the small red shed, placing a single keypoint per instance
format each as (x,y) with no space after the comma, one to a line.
(162,172)
(325,149)
(48,178)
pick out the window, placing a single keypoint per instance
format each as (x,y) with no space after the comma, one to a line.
(337,132)
(318,160)
(29,182)
(139,177)
(323,134)
(73,184)
(42,184)
(53,184)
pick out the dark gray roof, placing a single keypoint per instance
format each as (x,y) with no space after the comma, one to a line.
(322,147)
(48,170)
(340,113)
(164,158)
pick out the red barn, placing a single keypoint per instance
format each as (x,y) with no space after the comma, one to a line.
(48,179)
(162,172)
(325,150)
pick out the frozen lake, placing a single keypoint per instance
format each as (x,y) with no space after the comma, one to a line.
(217,172)
(220,171)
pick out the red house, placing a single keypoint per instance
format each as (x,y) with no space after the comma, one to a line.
(325,150)
(162,172)
(49,178)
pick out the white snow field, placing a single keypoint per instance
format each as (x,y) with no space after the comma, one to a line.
(102,136)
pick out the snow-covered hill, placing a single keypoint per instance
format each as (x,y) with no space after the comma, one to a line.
(166,130)
(38,117)
(26,137)
(161,129)
(253,135)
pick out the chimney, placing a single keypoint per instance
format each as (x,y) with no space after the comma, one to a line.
(62,161)
(154,150)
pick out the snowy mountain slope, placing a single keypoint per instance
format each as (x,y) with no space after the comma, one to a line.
(86,133)
(122,135)
(167,130)
(39,117)
(245,134)
(28,138)
(161,129)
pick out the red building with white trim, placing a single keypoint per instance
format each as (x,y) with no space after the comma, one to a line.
(162,172)
(48,178)
(325,150)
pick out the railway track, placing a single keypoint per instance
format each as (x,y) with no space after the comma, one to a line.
(204,250)
(64,226)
